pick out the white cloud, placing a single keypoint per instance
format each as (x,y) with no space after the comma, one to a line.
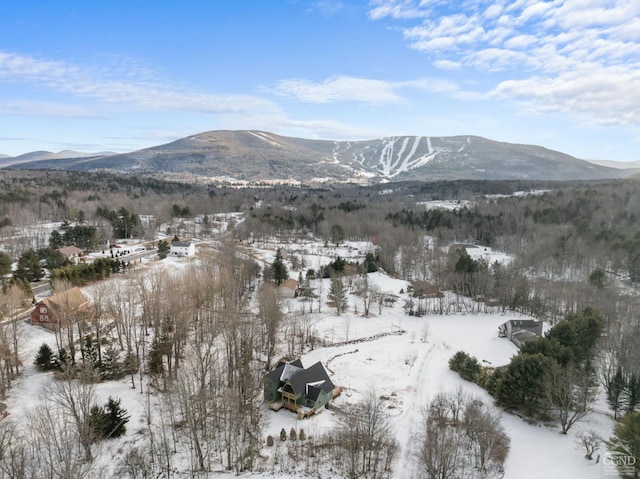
(547,55)
(49,109)
(520,41)
(339,89)
(141,94)
(447,65)
(606,96)
(397,9)
(367,91)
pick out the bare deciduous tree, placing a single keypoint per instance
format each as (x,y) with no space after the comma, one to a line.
(56,445)
(590,440)
(73,398)
(462,437)
(571,393)
(366,446)
(270,316)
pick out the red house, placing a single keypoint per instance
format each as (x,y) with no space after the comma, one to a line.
(60,308)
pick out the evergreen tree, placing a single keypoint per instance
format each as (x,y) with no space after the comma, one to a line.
(520,386)
(631,394)
(163,249)
(97,422)
(625,442)
(466,366)
(155,361)
(29,267)
(55,240)
(45,359)
(371,263)
(108,421)
(279,269)
(116,418)
(90,352)
(5,267)
(615,389)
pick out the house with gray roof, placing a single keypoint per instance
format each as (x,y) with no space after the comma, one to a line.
(183,249)
(301,390)
(520,331)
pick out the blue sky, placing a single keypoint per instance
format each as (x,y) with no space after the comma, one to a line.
(120,75)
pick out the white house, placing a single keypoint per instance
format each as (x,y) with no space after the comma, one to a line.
(183,248)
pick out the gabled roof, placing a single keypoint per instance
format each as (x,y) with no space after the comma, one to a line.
(70,250)
(276,375)
(315,376)
(295,362)
(288,371)
(70,299)
(181,244)
(308,381)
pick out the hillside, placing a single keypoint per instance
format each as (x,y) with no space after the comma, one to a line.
(257,155)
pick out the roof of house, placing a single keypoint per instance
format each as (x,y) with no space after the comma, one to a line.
(524,335)
(315,375)
(524,323)
(277,374)
(290,283)
(70,250)
(309,381)
(181,244)
(69,299)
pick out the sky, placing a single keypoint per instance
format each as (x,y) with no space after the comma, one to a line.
(120,75)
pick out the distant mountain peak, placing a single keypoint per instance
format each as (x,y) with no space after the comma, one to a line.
(254,155)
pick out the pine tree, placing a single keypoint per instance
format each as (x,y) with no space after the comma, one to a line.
(90,352)
(29,267)
(163,249)
(615,392)
(45,359)
(97,422)
(631,394)
(115,419)
(155,361)
(626,442)
(279,269)
(108,421)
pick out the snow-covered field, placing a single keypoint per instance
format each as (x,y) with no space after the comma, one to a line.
(407,369)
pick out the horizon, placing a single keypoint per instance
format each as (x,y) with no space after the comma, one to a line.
(109,153)
(93,77)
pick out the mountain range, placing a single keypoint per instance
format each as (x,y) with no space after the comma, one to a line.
(250,155)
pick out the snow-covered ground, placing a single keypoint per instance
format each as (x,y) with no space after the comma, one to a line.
(407,369)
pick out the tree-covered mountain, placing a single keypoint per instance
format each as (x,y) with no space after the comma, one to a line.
(258,156)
